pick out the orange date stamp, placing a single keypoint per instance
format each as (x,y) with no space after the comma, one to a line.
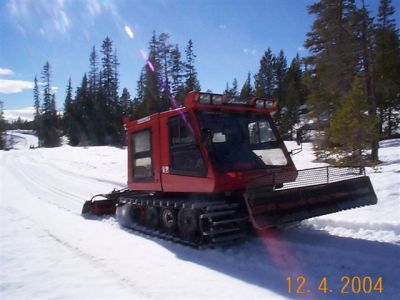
(348,285)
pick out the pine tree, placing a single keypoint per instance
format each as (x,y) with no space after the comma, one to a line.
(334,53)
(82,108)
(233,91)
(177,86)
(107,80)
(2,127)
(164,51)
(50,136)
(37,113)
(227,89)
(47,89)
(192,83)
(138,107)
(264,79)
(108,111)
(352,128)
(115,82)
(387,68)
(366,49)
(294,92)
(247,89)
(151,91)
(70,117)
(125,102)
(93,72)
(280,70)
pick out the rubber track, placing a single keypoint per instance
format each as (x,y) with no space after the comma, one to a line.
(220,217)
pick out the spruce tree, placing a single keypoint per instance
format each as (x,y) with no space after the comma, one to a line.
(366,31)
(280,70)
(108,111)
(107,80)
(247,89)
(164,52)
(177,86)
(93,72)
(334,53)
(387,68)
(151,91)
(138,107)
(2,127)
(227,89)
(70,119)
(352,128)
(81,117)
(125,102)
(232,91)
(37,114)
(294,92)
(50,136)
(264,79)
(192,83)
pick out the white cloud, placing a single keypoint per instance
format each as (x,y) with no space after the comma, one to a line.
(129,31)
(14,86)
(251,51)
(5,71)
(222,26)
(301,48)
(23,113)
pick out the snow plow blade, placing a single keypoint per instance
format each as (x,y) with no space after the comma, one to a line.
(105,206)
(270,208)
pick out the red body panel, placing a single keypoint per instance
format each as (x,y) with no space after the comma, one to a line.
(212,181)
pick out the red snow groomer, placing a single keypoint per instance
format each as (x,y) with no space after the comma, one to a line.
(200,173)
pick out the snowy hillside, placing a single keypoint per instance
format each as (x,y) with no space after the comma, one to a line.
(47,250)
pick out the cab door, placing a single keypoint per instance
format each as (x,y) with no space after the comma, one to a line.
(144,155)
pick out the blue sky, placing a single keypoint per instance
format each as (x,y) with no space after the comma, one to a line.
(229,38)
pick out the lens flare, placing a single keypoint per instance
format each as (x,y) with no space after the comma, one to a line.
(129,31)
(144,54)
(150,65)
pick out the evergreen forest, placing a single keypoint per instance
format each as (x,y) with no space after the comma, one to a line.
(348,83)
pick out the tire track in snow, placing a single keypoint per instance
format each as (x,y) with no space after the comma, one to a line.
(96,263)
(41,184)
(70,172)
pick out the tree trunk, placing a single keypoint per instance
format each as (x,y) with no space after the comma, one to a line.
(368,83)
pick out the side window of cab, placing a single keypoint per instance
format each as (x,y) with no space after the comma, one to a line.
(142,161)
(185,155)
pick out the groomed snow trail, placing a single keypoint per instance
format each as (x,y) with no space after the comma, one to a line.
(47,250)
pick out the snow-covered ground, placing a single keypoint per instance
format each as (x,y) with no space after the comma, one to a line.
(47,250)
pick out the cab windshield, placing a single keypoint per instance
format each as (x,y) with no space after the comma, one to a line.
(240,141)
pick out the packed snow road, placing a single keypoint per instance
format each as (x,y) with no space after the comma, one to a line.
(47,250)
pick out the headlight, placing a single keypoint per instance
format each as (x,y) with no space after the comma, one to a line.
(205,98)
(260,103)
(269,104)
(217,99)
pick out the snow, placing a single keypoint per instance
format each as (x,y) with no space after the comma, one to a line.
(47,250)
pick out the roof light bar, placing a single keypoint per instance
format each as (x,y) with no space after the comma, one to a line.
(218,99)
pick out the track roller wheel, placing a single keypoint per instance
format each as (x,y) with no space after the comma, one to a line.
(168,219)
(188,224)
(126,215)
(152,217)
